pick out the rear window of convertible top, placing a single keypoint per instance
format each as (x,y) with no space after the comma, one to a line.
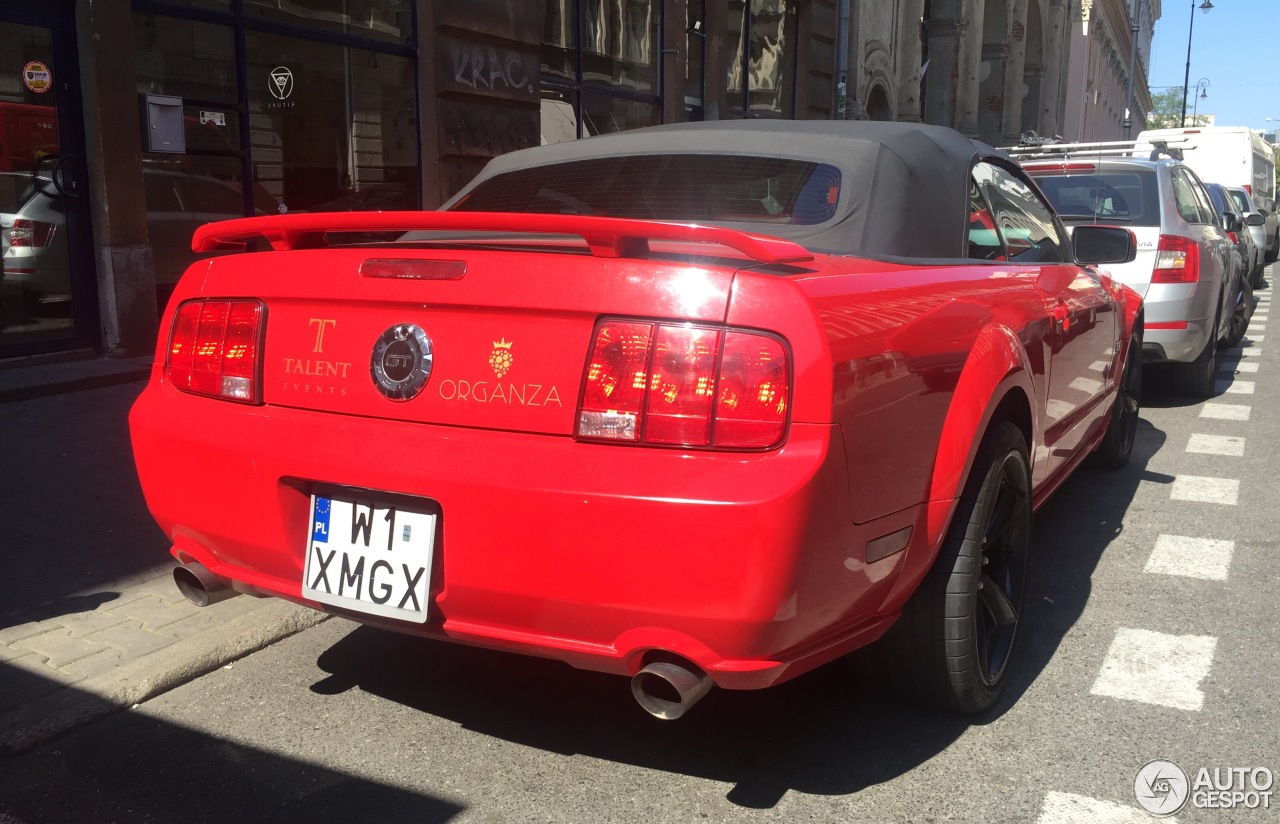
(684,187)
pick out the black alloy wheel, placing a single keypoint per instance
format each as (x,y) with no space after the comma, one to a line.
(1003,571)
(955,640)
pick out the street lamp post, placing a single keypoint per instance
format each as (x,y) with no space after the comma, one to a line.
(1186,78)
(1202,91)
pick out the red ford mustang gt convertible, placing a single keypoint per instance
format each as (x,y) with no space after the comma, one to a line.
(712,403)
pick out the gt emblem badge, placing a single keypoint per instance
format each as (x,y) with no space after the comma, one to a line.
(401,363)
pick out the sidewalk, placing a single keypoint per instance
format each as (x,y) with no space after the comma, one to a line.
(99,649)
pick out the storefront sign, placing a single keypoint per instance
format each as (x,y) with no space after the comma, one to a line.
(281,83)
(37,77)
(216,118)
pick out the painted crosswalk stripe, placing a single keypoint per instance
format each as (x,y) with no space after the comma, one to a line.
(1255,338)
(1156,668)
(1099,366)
(1250,352)
(1238,366)
(1235,387)
(1069,808)
(1229,445)
(1205,490)
(1225,411)
(1202,558)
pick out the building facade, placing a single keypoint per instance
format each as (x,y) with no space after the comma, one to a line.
(124,125)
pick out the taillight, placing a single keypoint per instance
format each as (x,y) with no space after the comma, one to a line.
(1177,261)
(31,232)
(679,384)
(214,348)
(1233,237)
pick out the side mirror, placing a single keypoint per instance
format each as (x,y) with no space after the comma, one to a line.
(1094,245)
(1256,219)
(1231,222)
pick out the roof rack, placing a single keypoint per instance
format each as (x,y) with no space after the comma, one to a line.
(1154,149)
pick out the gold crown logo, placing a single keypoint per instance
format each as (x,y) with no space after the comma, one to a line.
(500,359)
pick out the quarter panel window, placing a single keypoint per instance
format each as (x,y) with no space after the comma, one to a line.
(1024,221)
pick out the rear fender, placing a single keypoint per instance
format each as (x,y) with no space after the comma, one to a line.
(997,366)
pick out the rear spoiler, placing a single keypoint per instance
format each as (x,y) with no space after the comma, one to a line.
(611,237)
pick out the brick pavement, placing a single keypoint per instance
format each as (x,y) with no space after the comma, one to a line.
(113,644)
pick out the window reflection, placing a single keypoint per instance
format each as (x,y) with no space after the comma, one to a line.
(331,127)
(600,67)
(389,20)
(760,76)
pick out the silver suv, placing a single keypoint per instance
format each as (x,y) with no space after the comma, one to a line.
(1186,268)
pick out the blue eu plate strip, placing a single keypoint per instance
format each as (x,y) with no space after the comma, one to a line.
(320,530)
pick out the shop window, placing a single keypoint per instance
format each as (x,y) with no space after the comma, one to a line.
(761,72)
(599,67)
(389,20)
(185,58)
(603,113)
(331,127)
(620,43)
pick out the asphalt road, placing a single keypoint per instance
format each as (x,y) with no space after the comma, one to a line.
(1150,634)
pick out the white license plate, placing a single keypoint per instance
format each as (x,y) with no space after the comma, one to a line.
(370,552)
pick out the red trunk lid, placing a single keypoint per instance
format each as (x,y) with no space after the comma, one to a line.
(509,338)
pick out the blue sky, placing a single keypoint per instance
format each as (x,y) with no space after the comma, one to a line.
(1236,44)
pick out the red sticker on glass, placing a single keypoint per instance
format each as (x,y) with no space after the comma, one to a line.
(37,77)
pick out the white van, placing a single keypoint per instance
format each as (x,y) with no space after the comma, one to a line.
(1232,156)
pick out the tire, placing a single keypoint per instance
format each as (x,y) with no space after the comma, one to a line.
(1197,377)
(1117,444)
(954,641)
(1272,251)
(1240,314)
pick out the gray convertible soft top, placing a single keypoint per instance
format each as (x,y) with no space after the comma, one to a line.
(903,187)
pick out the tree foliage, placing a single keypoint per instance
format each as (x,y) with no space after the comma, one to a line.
(1166,110)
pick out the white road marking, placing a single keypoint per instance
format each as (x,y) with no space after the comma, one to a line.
(1155,668)
(1202,558)
(1069,808)
(1225,411)
(1216,445)
(1235,387)
(1239,366)
(1255,338)
(1099,365)
(1205,490)
(1250,352)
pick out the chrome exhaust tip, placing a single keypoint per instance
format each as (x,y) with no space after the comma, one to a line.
(200,586)
(666,690)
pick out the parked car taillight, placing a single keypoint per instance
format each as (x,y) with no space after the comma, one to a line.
(1177,260)
(214,348)
(680,384)
(31,232)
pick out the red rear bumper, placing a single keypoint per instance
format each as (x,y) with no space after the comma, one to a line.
(746,564)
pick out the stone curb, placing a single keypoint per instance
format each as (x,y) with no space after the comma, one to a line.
(93,698)
(58,377)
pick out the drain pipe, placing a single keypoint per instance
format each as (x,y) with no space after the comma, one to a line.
(842,63)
